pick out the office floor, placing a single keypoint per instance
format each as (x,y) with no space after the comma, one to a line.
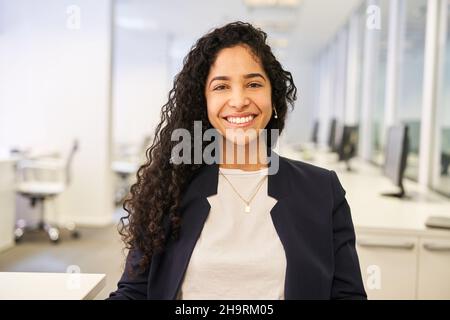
(99,250)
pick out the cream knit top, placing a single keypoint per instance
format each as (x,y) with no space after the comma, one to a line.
(238,254)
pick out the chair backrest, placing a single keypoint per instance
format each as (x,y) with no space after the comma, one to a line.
(69,161)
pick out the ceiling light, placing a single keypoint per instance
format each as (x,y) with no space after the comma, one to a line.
(272,3)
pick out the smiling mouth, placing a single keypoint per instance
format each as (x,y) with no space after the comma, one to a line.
(240,121)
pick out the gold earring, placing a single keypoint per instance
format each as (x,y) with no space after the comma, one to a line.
(276,114)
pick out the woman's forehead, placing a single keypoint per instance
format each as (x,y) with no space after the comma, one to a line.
(238,59)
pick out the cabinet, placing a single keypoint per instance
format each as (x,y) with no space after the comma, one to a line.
(404,265)
(388,265)
(434,268)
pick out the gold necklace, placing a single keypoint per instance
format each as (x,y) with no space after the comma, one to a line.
(247,202)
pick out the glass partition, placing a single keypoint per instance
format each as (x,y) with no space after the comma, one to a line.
(441,176)
(411,78)
(379,84)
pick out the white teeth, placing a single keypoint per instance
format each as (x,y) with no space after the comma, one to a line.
(240,120)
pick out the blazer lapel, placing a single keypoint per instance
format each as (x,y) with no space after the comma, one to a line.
(278,188)
(289,217)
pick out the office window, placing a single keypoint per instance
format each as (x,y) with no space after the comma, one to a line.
(441,181)
(411,78)
(331,85)
(355,46)
(379,84)
(338,103)
(340,65)
(361,14)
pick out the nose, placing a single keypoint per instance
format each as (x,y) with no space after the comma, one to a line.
(238,99)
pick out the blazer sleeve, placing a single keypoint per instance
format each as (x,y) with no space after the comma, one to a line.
(347,280)
(132,286)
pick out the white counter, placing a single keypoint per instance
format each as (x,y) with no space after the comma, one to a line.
(7,203)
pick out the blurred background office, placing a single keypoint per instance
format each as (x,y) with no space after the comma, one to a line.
(82,84)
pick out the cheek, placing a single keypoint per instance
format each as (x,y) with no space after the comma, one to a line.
(264,103)
(213,108)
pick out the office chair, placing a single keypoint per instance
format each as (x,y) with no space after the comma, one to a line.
(123,169)
(30,184)
(127,165)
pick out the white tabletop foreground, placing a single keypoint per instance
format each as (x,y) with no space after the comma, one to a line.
(50,286)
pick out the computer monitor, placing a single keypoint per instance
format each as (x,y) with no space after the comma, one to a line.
(396,154)
(332,135)
(315,133)
(338,134)
(413,135)
(445,150)
(348,144)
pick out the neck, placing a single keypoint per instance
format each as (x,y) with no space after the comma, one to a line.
(251,156)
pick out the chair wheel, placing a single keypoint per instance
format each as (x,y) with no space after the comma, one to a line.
(18,235)
(75,234)
(53,234)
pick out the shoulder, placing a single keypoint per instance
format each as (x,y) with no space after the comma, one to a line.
(303,168)
(311,177)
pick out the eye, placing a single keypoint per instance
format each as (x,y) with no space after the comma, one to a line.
(254,85)
(220,87)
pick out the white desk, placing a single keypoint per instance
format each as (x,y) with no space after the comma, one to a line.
(50,286)
(7,203)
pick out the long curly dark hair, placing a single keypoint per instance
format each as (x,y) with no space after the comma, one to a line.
(153,203)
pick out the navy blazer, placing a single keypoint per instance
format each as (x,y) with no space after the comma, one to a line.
(312,219)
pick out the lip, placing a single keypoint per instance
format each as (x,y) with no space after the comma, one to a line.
(240,125)
(240,115)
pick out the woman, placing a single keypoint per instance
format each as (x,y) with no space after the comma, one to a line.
(235,229)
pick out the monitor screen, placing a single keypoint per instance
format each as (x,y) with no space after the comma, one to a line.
(315,132)
(332,135)
(396,151)
(349,142)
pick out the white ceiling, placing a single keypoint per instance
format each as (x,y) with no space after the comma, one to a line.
(310,26)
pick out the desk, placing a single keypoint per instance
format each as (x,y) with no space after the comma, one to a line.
(50,286)
(7,203)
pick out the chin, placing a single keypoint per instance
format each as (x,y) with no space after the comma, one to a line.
(239,139)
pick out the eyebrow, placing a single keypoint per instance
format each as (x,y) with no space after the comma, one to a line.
(247,76)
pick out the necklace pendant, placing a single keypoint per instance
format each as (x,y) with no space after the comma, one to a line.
(247,208)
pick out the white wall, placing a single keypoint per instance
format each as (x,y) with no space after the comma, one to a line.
(140,83)
(54,87)
(300,122)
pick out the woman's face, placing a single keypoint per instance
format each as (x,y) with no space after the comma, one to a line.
(238,93)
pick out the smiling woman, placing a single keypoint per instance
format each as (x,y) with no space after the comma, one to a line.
(235,229)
